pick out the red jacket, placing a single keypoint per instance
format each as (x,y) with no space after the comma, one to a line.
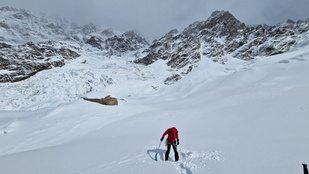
(172,134)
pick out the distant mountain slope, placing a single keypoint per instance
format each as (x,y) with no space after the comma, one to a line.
(222,36)
(31,42)
(83,59)
(19,26)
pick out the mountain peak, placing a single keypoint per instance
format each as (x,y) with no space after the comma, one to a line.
(221,14)
(222,17)
(7,8)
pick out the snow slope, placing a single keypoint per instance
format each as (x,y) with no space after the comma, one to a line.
(242,117)
(90,72)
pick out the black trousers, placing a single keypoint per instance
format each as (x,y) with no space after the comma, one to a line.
(169,144)
(305,168)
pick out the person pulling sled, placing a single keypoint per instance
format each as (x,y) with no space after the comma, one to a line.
(172,140)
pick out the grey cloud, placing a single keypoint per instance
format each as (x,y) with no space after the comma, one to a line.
(156,17)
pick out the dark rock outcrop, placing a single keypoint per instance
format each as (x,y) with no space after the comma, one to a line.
(117,45)
(95,42)
(23,61)
(108,100)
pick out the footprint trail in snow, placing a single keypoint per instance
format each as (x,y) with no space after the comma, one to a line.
(191,161)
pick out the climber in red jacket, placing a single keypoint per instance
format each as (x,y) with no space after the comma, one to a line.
(172,140)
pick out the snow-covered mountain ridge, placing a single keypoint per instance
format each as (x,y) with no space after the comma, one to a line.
(222,37)
(31,42)
(19,26)
(97,58)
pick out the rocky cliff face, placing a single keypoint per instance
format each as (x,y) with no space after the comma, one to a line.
(222,36)
(19,62)
(117,45)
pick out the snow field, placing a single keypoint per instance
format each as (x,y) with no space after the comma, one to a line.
(236,118)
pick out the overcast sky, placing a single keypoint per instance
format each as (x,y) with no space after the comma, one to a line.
(154,18)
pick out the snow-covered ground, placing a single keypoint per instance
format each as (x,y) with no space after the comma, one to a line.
(241,117)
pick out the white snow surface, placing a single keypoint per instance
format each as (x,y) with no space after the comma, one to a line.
(241,117)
